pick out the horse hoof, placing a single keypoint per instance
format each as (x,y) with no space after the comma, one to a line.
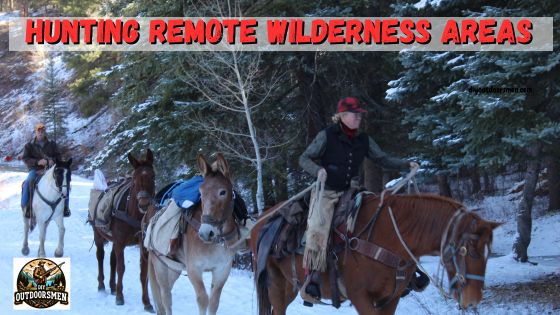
(57,254)
(149,309)
(25,251)
(113,291)
(101,288)
(119,301)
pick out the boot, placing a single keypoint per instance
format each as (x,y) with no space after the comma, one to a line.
(66,212)
(418,283)
(311,290)
(27,211)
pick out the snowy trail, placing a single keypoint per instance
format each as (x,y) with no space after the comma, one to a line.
(239,293)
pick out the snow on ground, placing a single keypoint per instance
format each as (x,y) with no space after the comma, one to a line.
(239,293)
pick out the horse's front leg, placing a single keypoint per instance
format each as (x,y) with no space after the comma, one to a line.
(119,256)
(195,276)
(42,234)
(144,279)
(61,230)
(219,277)
(25,246)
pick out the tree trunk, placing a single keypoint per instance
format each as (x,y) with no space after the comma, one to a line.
(524,220)
(488,182)
(553,176)
(373,177)
(475,180)
(281,189)
(253,133)
(443,185)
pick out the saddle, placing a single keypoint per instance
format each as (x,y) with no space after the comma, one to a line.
(103,204)
(284,236)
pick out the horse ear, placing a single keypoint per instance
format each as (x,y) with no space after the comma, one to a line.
(150,157)
(203,166)
(133,161)
(222,165)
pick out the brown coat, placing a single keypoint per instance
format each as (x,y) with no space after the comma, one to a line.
(33,152)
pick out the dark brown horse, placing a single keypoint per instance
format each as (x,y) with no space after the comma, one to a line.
(429,225)
(125,230)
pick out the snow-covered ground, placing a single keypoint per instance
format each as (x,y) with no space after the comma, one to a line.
(239,293)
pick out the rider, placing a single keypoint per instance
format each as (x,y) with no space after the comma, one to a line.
(39,273)
(39,154)
(340,150)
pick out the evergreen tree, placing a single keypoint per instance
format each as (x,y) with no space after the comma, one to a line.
(54,108)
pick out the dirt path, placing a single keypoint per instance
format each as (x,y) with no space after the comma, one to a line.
(544,292)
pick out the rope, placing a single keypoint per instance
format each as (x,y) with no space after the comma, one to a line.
(441,291)
(271,213)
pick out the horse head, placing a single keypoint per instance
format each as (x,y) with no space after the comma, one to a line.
(143,181)
(465,249)
(216,194)
(62,176)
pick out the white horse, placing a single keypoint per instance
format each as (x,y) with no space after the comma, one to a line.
(204,244)
(48,204)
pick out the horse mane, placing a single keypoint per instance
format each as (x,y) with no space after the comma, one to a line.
(48,175)
(424,215)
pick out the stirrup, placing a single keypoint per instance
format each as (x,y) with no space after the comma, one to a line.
(27,212)
(308,299)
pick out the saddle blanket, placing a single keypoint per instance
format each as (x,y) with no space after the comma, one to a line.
(163,227)
(186,193)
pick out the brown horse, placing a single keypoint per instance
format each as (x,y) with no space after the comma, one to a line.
(126,231)
(204,244)
(428,225)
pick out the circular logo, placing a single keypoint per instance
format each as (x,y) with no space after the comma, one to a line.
(41,284)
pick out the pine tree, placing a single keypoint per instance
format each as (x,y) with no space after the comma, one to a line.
(54,109)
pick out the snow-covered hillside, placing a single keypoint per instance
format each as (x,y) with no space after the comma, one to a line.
(22,76)
(238,297)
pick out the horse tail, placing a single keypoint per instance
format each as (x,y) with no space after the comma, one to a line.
(263,300)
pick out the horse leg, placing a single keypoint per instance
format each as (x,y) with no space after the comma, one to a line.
(113,271)
(219,277)
(100,254)
(162,279)
(61,230)
(25,246)
(119,256)
(195,276)
(278,291)
(364,305)
(42,234)
(144,279)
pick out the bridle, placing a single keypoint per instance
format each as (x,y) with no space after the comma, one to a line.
(142,194)
(61,197)
(453,254)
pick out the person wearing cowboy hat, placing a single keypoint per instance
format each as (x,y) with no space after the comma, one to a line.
(38,154)
(339,151)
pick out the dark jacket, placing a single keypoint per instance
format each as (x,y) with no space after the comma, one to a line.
(342,157)
(33,152)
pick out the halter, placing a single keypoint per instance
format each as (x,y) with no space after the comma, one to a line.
(454,255)
(221,238)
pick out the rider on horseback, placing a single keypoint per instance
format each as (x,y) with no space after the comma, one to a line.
(340,148)
(38,155)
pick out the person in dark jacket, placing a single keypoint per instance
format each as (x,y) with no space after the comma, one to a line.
(38,155)
(335,157)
